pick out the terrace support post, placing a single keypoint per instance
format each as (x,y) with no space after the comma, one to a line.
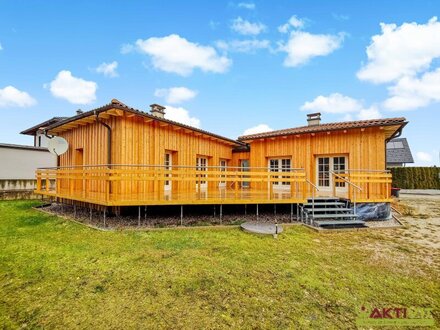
(257,212)
(275,210)
(139,216)
(105,216)
(90,210)
(221,213)
(245,209)
(291,212)
(215,211)
(145,213)
(181,215)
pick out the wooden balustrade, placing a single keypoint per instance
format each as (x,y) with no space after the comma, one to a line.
(120,185)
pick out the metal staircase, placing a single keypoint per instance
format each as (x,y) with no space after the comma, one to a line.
(329,212)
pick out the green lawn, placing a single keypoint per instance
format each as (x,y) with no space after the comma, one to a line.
(58,274)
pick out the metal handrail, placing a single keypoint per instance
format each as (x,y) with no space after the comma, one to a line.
(354,191)
(313,195)
(349,182)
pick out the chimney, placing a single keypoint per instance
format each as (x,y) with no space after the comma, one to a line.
(79,111)
(314,119)
(157,110)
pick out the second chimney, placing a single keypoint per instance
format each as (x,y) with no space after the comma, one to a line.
(314,119)
(157,110)
(79,111)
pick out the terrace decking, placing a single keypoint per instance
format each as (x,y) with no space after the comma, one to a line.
(134,185)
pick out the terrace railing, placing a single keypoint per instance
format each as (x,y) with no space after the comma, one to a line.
(157,184)
(363,185)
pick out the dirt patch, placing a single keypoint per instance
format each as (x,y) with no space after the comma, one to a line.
(96,219)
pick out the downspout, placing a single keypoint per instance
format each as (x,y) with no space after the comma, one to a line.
(109,140)
(109,146)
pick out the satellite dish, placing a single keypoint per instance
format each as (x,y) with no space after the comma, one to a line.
(57,145)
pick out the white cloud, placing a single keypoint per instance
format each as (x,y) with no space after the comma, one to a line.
(73,89)
(424,157)
(246,5)
(12,97)
(340,104)
(401,51)
(334,103)
(369,113)
(175,95)
(243,46)
(411,92)
(302,46)
(178,55)
(257,129)
(108,69)
(244,27)
(294,22)
(181,115)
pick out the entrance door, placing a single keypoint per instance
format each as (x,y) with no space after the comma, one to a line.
(168,162)
(280,165)
(223,168)
(202,165)
(325,179)
(244,167)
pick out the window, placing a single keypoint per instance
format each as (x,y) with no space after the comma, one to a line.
(395,145)
(280,165)
(202,165)
(168,162)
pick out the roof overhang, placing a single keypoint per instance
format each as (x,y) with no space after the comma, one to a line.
(119,110)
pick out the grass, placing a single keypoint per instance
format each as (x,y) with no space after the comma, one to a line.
(58,274)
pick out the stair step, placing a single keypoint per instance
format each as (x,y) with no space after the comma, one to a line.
(329,209)
(324,204)
(332,216)
(340,223)
(323,199)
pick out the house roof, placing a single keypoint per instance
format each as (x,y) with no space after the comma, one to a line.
(33,130)
(20,146)
(328,127)
(115,104)
(398,151)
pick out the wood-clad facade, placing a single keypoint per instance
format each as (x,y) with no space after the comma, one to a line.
(121,156)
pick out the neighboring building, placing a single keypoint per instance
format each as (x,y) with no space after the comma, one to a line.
(398,153)
(119,156)
(40,140)
(18,164)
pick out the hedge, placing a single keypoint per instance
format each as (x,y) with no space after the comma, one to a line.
(416,177)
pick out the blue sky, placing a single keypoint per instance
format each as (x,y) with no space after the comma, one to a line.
(227,67)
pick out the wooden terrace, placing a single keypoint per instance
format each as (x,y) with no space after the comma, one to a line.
(135,185)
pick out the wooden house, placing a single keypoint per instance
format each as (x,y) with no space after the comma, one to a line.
(119,156)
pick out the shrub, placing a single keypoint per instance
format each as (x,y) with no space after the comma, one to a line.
(416,177)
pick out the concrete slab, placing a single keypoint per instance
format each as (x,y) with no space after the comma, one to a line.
(264,228)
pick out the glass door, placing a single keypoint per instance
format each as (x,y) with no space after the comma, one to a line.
(325,179)
(280,165)
(202,165)
(168,162)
